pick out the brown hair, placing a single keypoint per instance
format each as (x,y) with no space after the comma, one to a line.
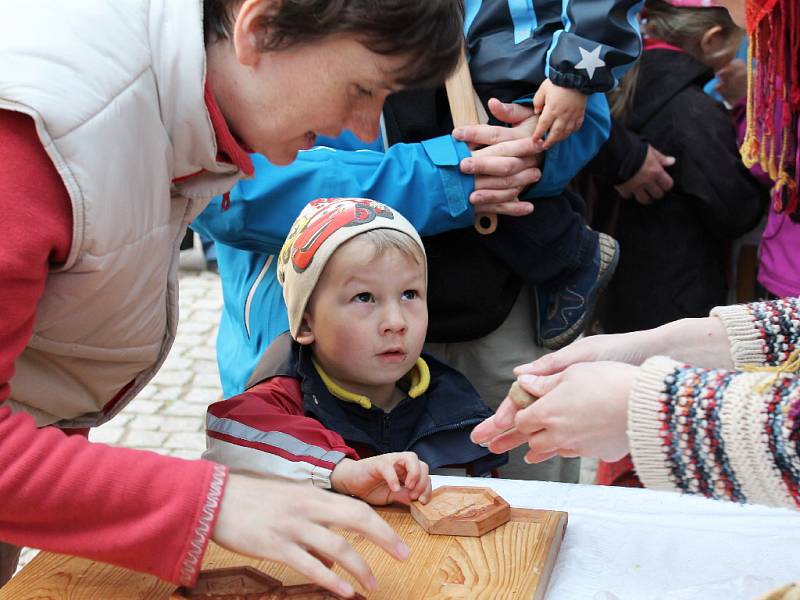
(429,33)
(684,27)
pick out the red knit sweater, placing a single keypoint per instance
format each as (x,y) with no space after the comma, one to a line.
(136,509)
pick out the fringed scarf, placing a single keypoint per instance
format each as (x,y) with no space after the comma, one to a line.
(773,97)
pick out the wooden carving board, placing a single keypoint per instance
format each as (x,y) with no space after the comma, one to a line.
(512,561)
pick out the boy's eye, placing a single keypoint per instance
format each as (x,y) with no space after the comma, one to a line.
(410,294)
(363,297)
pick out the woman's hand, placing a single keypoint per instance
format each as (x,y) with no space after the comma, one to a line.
(581,411)
(290,523)
(507,162)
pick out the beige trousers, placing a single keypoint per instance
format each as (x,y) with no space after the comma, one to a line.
(9,557)
(488,362)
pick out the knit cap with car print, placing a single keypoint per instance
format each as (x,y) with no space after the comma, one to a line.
(323,226)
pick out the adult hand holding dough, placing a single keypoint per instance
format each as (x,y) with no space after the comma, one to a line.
(581,411)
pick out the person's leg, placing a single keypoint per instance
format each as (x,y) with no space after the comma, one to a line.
(564,261)
(488,363)
(9,557)
(546,246)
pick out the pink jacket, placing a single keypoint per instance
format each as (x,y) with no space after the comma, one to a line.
(779,268)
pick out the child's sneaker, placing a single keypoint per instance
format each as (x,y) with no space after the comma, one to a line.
(564,315)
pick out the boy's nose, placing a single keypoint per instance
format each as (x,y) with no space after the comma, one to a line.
(393,321)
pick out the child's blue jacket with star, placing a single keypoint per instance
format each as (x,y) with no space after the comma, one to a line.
(514,45)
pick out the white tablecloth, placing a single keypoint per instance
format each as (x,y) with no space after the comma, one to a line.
(631,544)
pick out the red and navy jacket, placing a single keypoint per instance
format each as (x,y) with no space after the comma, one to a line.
(289,424)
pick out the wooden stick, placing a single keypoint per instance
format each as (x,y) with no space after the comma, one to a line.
(461,97)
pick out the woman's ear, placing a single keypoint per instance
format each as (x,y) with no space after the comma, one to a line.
(304,334)
(712,41)
(250,29)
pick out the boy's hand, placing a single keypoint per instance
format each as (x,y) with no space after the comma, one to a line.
(561,113)
(380,480)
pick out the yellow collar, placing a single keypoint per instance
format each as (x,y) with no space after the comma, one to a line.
(419,379)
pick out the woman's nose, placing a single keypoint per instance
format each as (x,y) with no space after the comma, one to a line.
(365,124)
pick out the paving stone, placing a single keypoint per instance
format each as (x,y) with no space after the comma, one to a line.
(187,454)
(170,394)
(207,302)
(182,424)
(145,439)
(120,420)
(183,409)
(206,380)
(204,396)
(186,441)
(148,392)
(206,366)
(202,353)
(193,340)
(142,407)
(193,327)
(176,362)
(107,435)
(145,423)
(205,316)
(172,378)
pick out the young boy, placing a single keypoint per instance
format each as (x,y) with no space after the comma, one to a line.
(348,403)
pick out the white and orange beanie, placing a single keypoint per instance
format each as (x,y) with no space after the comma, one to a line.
(322,226)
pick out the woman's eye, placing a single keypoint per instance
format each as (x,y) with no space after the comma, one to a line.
(362,91)
(363,297)
(410,294)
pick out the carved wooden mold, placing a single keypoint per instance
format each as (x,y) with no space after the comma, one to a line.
(247,583)
(464,511)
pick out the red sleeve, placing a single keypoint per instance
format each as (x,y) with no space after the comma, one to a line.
(265,431)
(37,233)
(135,509)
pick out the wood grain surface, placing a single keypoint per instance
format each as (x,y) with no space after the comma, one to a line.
(512,562)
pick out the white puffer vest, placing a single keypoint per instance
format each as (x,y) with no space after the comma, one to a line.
(116,91)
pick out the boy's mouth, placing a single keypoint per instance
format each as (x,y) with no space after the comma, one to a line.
(393,355)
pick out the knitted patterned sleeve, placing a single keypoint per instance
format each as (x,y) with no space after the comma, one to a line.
(762,333)
(732,435)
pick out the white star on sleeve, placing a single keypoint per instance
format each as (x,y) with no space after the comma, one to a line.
(590,60)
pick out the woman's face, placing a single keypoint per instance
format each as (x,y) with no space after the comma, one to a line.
(736,8)
(278,102)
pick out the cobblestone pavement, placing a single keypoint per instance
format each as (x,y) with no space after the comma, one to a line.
(168,416)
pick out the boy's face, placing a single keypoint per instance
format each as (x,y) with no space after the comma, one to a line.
(367,317)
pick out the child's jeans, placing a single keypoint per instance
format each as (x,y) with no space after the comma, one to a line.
(548,245)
